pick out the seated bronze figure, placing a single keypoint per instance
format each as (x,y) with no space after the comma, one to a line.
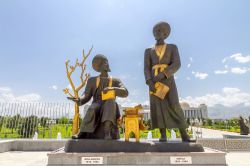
(100,121)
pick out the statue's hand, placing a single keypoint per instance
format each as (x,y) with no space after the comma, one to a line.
(105,90)
(120,121)
(152,88)
(77,100)
(151,85)
(159,77)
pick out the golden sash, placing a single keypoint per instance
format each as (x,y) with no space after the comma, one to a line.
(111,93)
(161,89)
(158,67)
(160,52)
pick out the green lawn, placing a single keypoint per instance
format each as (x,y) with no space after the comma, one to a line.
(66,131)
(43,132)
(235,129)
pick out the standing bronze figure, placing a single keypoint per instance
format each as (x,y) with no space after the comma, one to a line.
(101,118)
(160,63)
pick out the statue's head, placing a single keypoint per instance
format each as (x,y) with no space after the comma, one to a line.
(100,63)
(161,31)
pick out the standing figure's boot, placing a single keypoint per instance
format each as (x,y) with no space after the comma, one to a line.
(80,135)
(163,135)
(107,130)
(184,136)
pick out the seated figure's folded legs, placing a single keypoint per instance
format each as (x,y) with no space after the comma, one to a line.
(89,121)
(109,111)
(107,129)
(108,117)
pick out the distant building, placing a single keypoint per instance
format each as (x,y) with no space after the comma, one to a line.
(189,112)
(145,111)
(51,122)
(194,112)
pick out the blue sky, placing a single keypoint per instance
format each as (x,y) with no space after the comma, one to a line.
(36,37)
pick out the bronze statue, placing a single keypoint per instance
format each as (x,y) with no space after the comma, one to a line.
(101,118)
(160,63)
(244,129)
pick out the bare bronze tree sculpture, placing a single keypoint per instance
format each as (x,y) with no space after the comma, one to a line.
(76,89)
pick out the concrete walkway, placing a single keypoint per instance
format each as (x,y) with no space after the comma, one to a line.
(238,158)
(210,133)
(20,158)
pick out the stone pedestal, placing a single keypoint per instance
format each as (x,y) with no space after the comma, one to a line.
(207,158)
(101,152)
(97,145)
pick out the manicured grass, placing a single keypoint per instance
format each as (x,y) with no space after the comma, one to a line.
(43,132)
(66,132)
(235,129)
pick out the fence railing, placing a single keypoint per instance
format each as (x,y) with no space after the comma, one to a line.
(36,119)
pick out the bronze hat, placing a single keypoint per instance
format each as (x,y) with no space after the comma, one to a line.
(97,62)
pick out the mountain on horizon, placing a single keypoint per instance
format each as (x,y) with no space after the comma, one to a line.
(222,112)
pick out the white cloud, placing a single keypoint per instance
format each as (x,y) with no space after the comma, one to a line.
(247,104)
(200,75)
(188,78)
(191,59)
(28,97)
(238,70)
(126,102)
(224,60)
(220,71)
(190,62)
(7,95)
(53,87)
(228,90)
(238,57)
(127,77)
(229,97)
(4,89)
(234,70)
(135,97)
(146,102)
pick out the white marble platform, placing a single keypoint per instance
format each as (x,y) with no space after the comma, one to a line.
(208,158)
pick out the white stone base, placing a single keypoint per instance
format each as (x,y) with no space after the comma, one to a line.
(208,158)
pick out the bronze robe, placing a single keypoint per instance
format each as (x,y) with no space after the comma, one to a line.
(166,113)
(101,111)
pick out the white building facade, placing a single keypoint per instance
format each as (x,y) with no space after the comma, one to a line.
(199,112)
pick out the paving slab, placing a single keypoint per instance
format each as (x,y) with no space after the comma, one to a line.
(19,158)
